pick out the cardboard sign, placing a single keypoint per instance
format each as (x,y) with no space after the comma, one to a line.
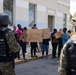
(46,33)
(58,35)
(62,32)
(33,35)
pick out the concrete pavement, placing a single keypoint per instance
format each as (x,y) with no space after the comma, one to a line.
(28,55)
(38,67)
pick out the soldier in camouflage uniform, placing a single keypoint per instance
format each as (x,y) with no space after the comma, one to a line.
(6,65)
(67,62)
(62,62)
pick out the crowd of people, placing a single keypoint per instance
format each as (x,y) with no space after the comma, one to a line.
(10,43)
(57,43)
(62,48)
(34,45)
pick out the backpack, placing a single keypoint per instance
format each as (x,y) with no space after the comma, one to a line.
(5,53)
(71,57)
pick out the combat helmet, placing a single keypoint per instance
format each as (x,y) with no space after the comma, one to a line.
(4,19)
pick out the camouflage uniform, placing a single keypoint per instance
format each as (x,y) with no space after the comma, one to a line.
(63,62)
(6,67)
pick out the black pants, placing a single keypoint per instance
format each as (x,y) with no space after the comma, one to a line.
(59,49)
(33,51)
(24,49)
(23,45)
(33,48)
(18,54)
(54,45)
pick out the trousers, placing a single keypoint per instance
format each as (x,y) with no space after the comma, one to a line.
(45,48)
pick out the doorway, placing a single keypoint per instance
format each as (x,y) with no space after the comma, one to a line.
(51,22)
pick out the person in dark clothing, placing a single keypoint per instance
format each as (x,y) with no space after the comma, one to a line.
(33,49)
(33,44)
(54,43)
(45,47)
(34,27)
(24,31)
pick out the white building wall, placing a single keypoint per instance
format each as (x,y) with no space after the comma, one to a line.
(22,12)
(41,16)
(59,20)
(63,7)
(1,6)
(44,8)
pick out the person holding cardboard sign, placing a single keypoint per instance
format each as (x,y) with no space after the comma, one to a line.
(45,47)
(54,43)
(33,45)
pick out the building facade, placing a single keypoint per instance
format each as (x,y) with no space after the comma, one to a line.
(45,13)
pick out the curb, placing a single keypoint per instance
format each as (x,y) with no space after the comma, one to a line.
(28,60)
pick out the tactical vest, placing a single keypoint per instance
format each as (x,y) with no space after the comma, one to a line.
(5,53)
(72,59)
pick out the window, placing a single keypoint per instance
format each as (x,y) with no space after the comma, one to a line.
(8,9)
(31,15)
(64,20)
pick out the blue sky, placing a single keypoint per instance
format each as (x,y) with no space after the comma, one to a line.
(73,6)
